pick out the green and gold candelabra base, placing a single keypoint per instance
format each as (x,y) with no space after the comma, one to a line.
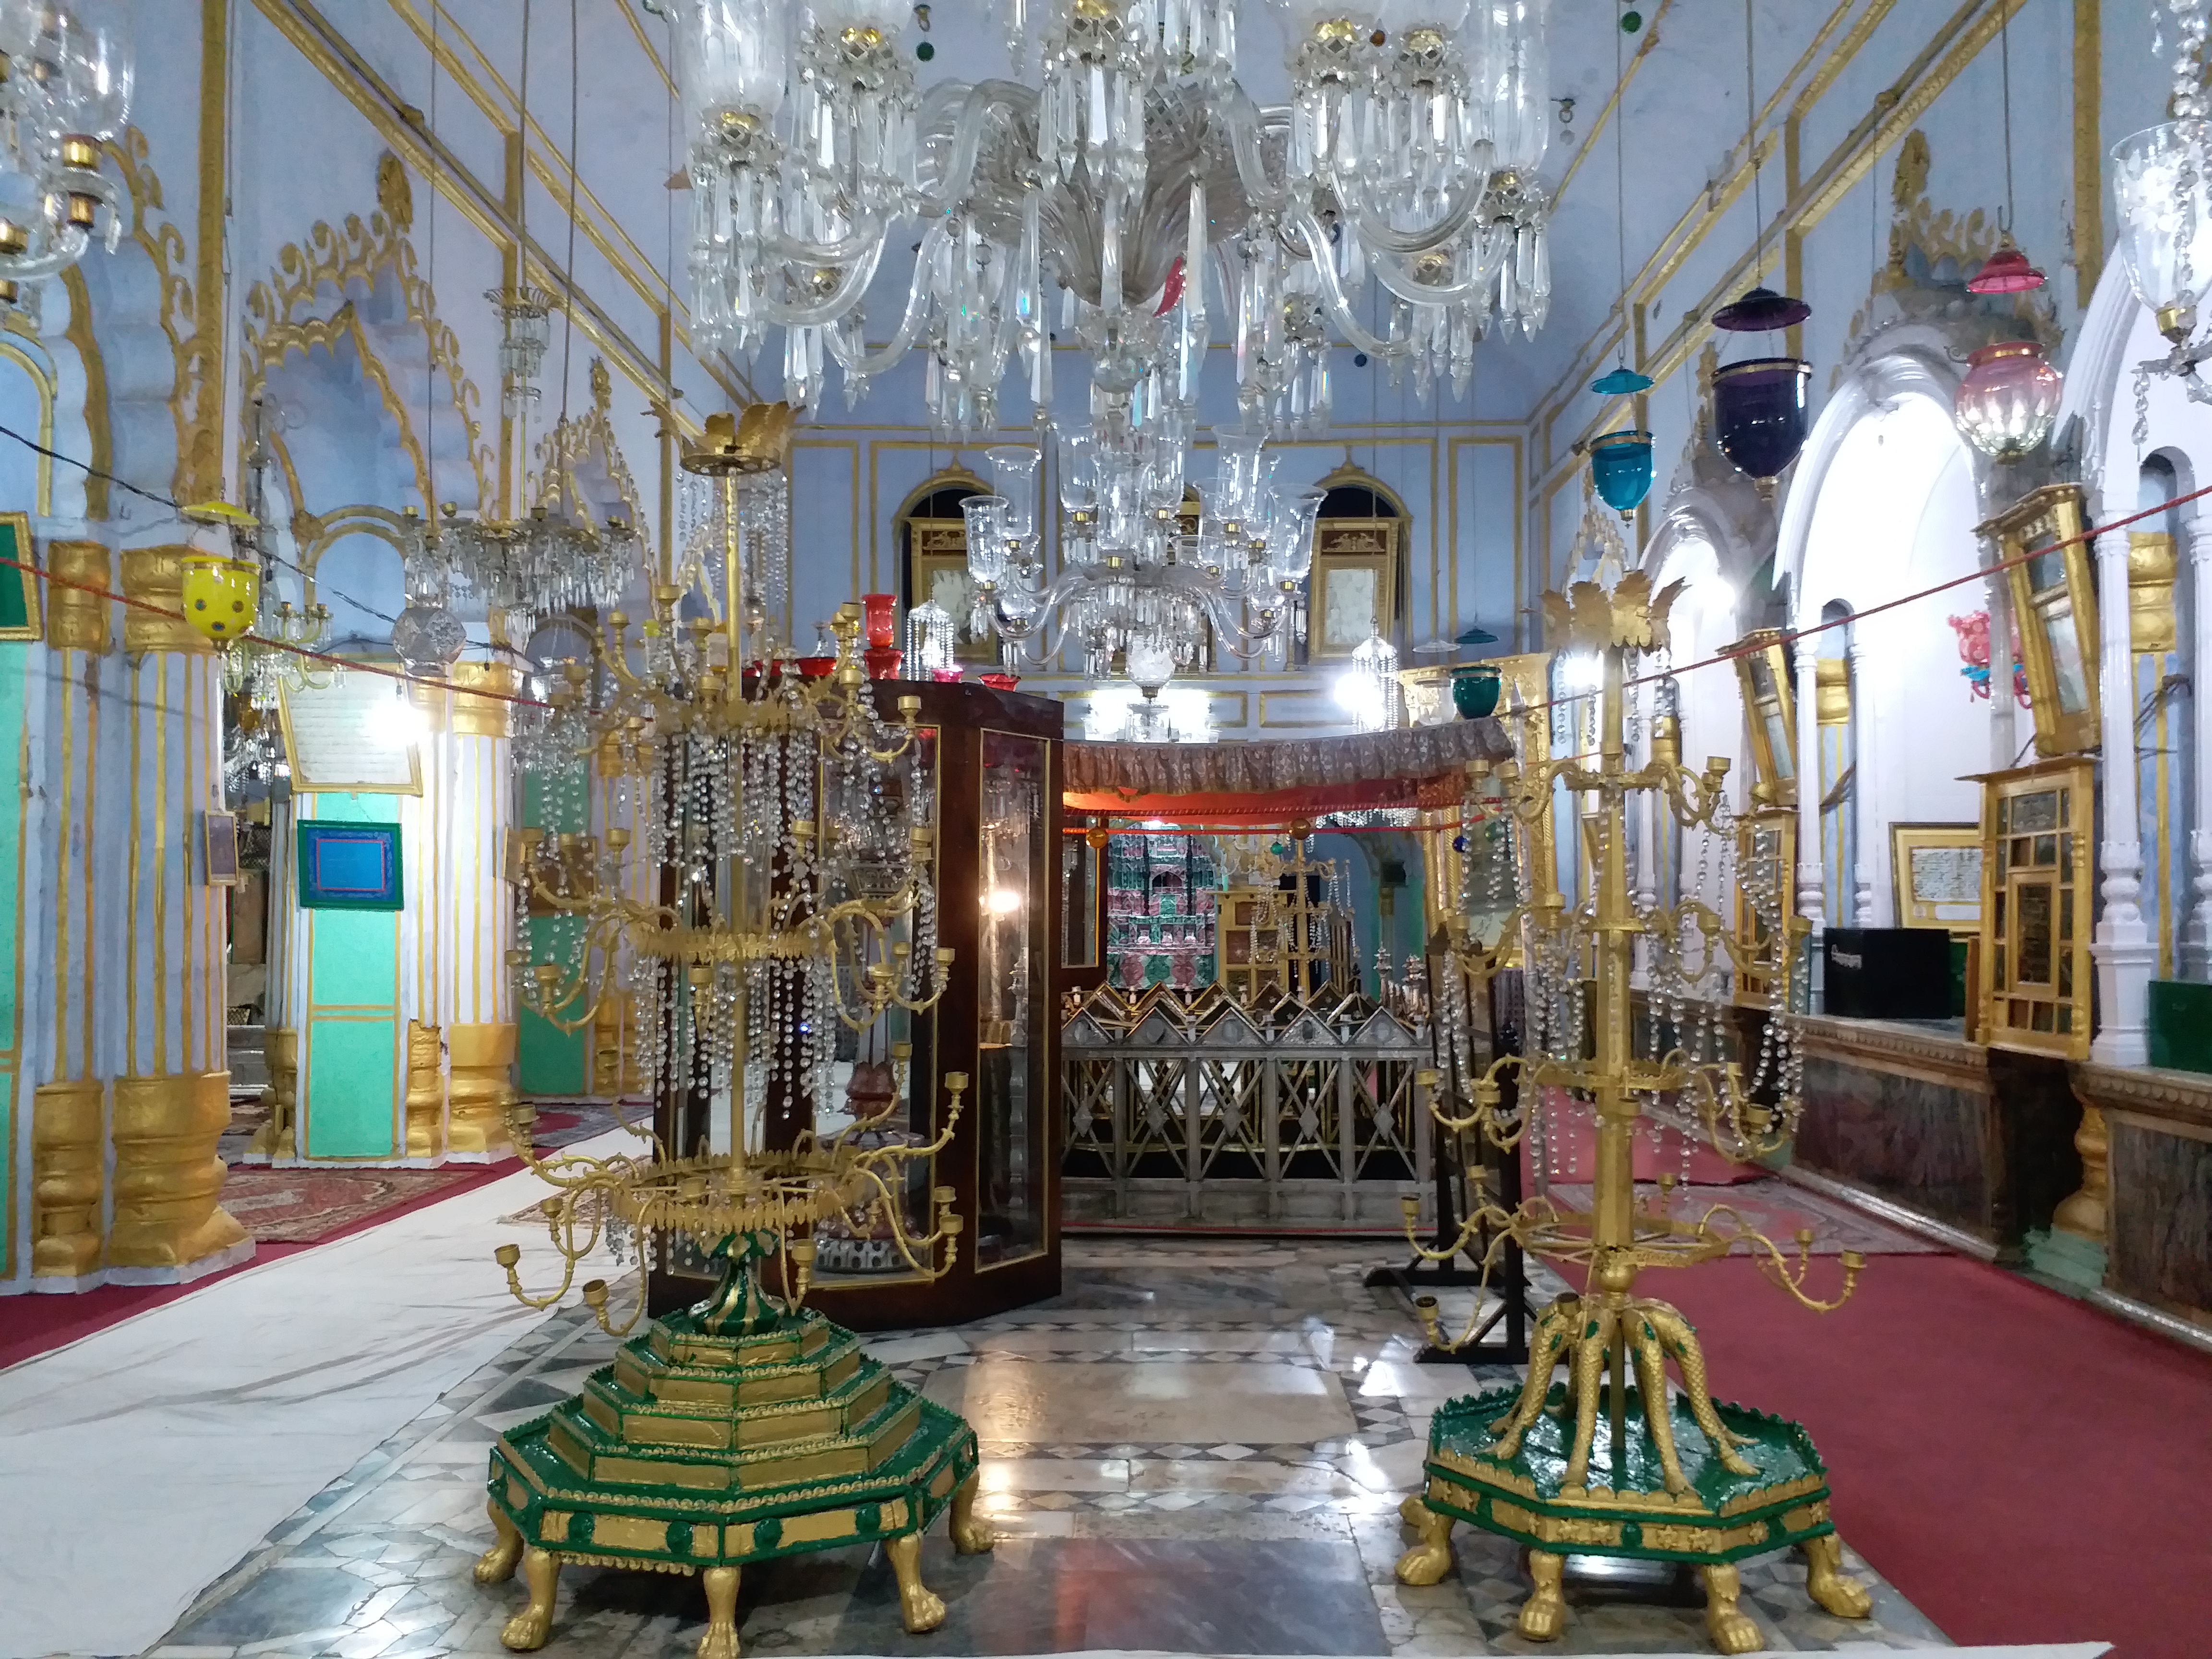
(1582,1468)
(731,1433)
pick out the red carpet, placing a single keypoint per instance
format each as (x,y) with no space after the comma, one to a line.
(2022,1467)
(34,1324)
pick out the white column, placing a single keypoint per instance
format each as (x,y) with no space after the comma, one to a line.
(2196,931)
(1810,904)
(476,908)
(2124,952)
(1866,815)
(2005,738)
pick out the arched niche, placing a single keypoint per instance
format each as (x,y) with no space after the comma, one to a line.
(932,552)
(1358,579)
(1892,512)
(366,405)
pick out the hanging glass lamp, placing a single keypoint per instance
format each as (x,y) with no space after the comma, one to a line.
(1620,465)
(1760,414)
(2009,401)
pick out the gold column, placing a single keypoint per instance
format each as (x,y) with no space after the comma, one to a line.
(68,1177)
(167,1176)
(614,1068)
(278,1138)
(426,1092)
(480,1053)
(76,620)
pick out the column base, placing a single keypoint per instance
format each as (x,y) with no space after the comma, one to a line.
(69,1179)
(167,1176)
(478,1091)
(2060,1254)
(426,1097)
(222,1260)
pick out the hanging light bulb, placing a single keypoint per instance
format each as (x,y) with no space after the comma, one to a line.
(2009,401)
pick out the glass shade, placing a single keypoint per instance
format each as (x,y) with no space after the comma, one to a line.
(1621,464)
(2166,223)
(1474,689)
(1507,38)
(1014,469)
(2009,400)
(731,59)
(987,536)
(1760,413)
(82,58)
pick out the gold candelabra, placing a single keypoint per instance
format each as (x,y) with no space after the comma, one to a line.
(1584,1049)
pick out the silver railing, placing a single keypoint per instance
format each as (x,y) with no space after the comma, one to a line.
(1183,1111)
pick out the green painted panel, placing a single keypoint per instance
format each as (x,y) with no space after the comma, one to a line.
(19,594)
(552,1061)
(352,1093)
(356,959)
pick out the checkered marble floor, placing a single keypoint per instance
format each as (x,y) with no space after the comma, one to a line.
(1199,1446)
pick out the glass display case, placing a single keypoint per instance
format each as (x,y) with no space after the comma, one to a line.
(992,761)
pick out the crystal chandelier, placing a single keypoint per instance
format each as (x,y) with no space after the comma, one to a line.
(2162,189)
(66,92)
(1127,169)
(733,522)
(1142,581)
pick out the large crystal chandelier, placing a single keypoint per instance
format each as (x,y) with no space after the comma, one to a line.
(1128,177)
(66,91)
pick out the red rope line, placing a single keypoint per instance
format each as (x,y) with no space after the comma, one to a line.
(350,664)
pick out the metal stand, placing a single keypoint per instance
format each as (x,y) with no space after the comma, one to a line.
(1418,1277)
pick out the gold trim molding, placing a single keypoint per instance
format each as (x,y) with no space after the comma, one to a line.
(477,716)
(69,1178)
(155,575)
(77,620)
(167,1176)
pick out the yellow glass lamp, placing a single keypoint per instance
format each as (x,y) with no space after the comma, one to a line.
(221,591)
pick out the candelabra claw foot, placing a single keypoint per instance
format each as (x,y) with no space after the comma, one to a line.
(1429,1560)
(1544,1614)
(497,1565)
(1831,1590)
(1411,1511)
(969,1535)
(1733,1630)
(919,1608)
(720,1641)
(526,1631)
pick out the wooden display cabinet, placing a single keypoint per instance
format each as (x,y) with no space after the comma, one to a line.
(2034,978)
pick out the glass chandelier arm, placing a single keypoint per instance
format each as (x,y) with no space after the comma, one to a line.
(849,351)
(957,177)
(1332,296)
(865,237)
(852,282)
(1393,275)
(1246,121)
(1379,237)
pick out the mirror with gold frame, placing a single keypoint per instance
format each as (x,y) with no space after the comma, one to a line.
(2052,579)
(1770,707)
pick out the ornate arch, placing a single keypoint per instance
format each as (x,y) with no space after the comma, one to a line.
(358,284)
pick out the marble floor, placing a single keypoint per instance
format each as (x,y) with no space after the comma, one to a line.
(1199,1447)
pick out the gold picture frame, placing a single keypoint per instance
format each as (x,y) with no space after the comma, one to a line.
(1933,868)
(22,616)
(1354,587)
(1764,676)
(2054,607)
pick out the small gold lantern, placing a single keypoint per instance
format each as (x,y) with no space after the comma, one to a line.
(1769,704)
(2054,603)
